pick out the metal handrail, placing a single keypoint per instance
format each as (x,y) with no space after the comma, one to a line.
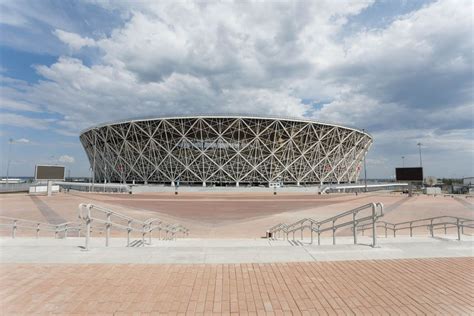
(458,222)
(85,213)
(315,225)
(39,226)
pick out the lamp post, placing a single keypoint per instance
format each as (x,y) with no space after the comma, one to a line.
(93,163)
(10,143)
(365,168)
(419,148)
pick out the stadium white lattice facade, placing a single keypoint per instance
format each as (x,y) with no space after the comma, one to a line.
(225,150)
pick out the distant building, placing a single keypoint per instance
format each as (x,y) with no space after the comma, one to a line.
(469,181)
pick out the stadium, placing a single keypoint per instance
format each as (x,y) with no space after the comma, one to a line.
(225,150)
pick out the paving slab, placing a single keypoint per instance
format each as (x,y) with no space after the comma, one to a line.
(199,251)
(435,286)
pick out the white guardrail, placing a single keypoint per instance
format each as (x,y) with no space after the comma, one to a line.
(90,213)
(17,223)
(333,224)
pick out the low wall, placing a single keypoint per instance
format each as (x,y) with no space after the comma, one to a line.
(161,188)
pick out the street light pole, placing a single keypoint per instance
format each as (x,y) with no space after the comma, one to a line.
(419,147)
(403,161)
(365,168)
(10,142)
(365,175)
(93,164)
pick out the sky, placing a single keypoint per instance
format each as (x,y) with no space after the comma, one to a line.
(401,70)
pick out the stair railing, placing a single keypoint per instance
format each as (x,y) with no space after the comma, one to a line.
(18,223)
(90,213)
(334,224)
(431,223)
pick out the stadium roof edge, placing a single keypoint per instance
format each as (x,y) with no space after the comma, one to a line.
(248,116)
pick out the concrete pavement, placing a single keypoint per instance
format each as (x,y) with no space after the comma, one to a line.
(198,251)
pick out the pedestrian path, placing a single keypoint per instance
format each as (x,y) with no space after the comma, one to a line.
(434,286)
(199,251)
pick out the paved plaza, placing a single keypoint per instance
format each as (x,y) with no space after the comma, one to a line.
(200,251)
(397,287)
(225,267)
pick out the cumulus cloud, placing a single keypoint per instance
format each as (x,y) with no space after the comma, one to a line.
(9,104)
(284,58)
(66,159)
(22,141)
(74,41)
(12,119)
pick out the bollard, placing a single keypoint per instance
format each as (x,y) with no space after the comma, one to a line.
(354,228)
(459,228)
(107,230)
(65,231)
(128,232)
(431,228)
(394,230)
(445,229)
(411,229)
(14,229)
(333,232)
(37,230)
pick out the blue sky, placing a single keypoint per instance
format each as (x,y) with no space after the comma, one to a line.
(402,70)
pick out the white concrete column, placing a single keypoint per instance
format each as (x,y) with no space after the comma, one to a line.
(50,187)
(204,183)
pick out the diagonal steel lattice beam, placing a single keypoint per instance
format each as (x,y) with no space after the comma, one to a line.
(225,150)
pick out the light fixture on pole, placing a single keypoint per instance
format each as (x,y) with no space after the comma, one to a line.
(365,168)
(10,143)
(419,147)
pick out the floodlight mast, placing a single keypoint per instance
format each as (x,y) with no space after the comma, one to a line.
(10,142)
(365,169)
(421,164)
(93,164)
(419,147)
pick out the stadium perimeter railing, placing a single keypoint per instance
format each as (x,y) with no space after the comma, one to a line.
(103,219)
(90,213)
(430,223)
(332,224)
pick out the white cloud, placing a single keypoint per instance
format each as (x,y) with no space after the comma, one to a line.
(278,58)
(18,105)
(66,159)
(12,119)
(21,141)
(74,41)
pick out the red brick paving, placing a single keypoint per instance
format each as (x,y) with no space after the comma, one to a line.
(443,286)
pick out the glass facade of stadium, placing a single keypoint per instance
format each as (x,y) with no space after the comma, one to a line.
(225,150)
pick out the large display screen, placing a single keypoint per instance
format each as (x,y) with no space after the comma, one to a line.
(409,174)
(44,172)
